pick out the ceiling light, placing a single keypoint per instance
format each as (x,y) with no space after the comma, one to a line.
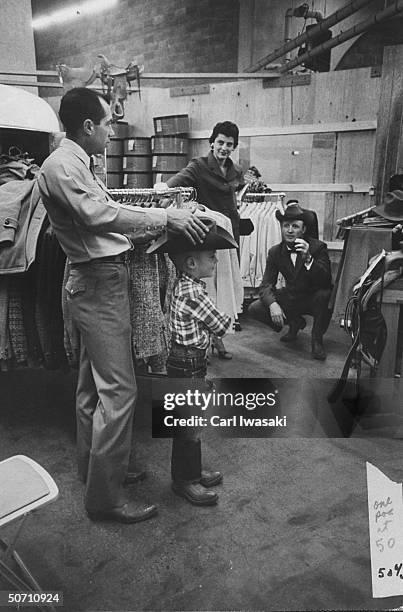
(72,12)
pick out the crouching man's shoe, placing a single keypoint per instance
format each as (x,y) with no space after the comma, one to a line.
(133,477)
(128,513)
(210,479)
(318,350)
(195,493)
(295,326)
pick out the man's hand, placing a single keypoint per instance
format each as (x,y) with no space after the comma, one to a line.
(160,187)
(183,222)
(302,247)
(277,314)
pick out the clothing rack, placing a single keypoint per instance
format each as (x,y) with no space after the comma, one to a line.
(271,197)
(181,197)
(354,217)
(365,217)
(261,209)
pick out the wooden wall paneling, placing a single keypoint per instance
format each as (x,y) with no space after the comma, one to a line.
(256,107)
(345,95)
(244,153)
(346,204)
(322,170)
(282,159)
(329,220)
(355,157)
(302,104)
(330,98)
(389,121)
(327,97)
(316,202)
(360,95)
(323,158)
(245,103)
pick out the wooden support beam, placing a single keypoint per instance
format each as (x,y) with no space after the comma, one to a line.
(314,128)
(17,83)
(267,74)
(49,73)
(210,75)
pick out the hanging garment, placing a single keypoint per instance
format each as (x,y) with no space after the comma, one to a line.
(147,318)
(49,268)
(225,288)
(17,166)
(29,304)
(267,233)
(21,208)
(16,322)
(5,345)
(71,336)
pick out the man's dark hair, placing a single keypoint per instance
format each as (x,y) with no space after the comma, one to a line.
(80,104)
(228,129)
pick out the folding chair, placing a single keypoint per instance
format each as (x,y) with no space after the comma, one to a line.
(24,487)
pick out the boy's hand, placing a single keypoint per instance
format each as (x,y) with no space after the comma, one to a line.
(184,222)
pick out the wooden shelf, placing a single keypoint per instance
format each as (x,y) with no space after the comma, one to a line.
(313,128)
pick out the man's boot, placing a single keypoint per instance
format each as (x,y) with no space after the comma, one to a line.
(295,326)
(318,350)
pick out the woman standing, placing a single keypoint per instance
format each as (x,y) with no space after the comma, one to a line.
(216,178)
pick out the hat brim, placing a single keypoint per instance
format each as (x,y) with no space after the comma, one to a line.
(379,210)
(286,217)
(217,239)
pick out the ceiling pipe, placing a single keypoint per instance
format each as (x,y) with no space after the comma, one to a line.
(314,15)
(334,18)
(300,11)
(289,14)
(391,11)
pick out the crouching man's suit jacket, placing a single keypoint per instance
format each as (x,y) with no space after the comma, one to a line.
(298,280)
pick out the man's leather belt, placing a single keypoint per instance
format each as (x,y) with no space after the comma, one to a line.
(122,258)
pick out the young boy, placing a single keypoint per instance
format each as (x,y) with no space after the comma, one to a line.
(193,318)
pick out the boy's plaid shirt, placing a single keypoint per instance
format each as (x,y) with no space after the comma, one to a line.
(193,316)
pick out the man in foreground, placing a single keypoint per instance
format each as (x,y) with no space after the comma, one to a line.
(96,233)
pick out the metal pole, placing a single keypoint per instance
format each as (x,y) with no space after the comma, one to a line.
(394,9)
(334,18)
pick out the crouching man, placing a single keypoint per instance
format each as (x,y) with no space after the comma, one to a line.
(304,264)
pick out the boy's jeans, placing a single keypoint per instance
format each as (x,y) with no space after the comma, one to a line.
(186,362)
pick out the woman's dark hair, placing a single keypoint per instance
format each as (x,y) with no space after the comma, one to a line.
(228,129)
(80,104)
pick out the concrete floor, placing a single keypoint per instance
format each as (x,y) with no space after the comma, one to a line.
(290,531)
(258,353)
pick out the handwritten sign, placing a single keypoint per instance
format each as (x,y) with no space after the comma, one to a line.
(385,513)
